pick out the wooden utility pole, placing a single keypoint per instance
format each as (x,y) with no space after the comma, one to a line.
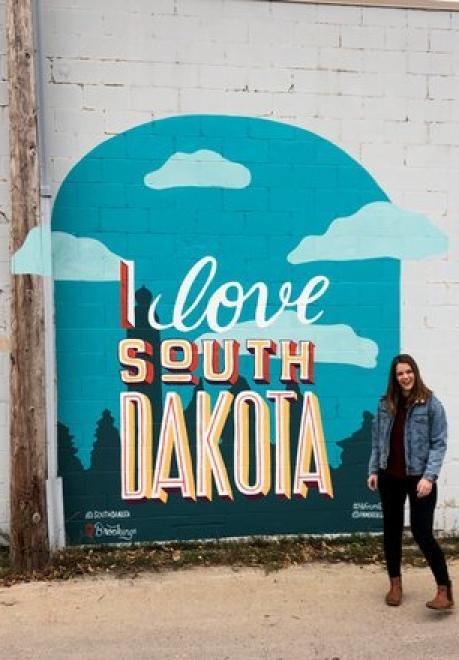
(29,535)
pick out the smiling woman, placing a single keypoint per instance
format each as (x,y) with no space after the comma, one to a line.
(408,447)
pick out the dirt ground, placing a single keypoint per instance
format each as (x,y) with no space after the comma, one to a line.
(324,611)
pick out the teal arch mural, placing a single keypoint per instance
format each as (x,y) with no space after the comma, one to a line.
(261,199)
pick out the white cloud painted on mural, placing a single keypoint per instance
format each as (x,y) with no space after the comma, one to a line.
(34,255)
(66,257)
(334,343)
(201,169)
(377,230)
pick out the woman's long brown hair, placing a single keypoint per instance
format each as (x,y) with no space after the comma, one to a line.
(420,391)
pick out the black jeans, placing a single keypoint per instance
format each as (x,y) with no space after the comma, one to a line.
(393,492)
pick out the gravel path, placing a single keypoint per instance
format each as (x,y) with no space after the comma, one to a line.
(314,611)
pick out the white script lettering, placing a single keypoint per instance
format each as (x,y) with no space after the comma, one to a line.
(218,300)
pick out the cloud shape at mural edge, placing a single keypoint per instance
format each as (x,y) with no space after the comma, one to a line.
(334,344)
(200,169)
(34,255)
(377,230)
(65,257)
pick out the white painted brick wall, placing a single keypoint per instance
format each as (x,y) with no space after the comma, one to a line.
(382,83)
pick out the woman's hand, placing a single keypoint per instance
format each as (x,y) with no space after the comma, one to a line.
(424,487)
(373,482)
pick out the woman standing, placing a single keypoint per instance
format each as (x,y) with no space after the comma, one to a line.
(408,446)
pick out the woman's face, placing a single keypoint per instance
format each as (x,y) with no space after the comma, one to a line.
(405,377)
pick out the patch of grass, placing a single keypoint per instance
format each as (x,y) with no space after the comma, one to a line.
(268,554)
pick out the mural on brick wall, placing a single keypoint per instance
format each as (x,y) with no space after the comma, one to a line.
(227,303)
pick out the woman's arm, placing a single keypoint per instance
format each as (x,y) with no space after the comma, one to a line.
(437,439)
(373,465)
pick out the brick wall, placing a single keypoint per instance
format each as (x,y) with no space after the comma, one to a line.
(381,83)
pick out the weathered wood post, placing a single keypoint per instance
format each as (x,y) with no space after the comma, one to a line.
(29,535)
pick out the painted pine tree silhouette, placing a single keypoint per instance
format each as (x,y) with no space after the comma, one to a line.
(71,470)
(350,479)
(67,454)
(106,456)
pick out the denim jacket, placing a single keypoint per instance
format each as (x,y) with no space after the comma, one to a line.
(424,439)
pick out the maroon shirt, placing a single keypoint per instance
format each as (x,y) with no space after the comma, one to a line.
(396,461)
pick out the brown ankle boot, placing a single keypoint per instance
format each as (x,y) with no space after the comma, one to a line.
(394,595)
(443,599)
